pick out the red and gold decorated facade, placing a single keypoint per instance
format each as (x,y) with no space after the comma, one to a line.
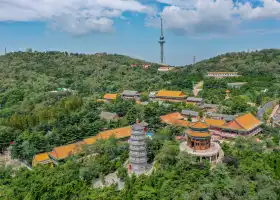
(199,137)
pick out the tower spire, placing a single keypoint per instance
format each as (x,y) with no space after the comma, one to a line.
(161,41)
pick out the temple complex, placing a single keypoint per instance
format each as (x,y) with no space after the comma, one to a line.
(199,143)
(138,152)
(223,126)
(167,95)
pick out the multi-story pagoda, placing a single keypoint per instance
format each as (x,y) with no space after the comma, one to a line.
(199,143)
(199,137)
(138,152)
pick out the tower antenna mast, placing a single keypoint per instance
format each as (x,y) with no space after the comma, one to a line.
(161,41)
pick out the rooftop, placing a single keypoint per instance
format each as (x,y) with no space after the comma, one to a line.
(130,93)
(189,112)
(41,157)
(215,122)
(205,105)
(194,99)
(168,93)
(199,125)
(198,134)
(118,133)
(65,151)
(110,96)
(222,72)
(248,121)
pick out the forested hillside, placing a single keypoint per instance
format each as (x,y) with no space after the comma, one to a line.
(34,119)
(266,61)
(28,77)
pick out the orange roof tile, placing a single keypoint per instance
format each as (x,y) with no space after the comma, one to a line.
(65,151)
(118,133)
(90,140)
(199,124)
(180,122)
(198,134)
(234,125)
(171,117)
(227,91)
(110,96)
(215,122)
(167,93)
(248,121)
(41,157)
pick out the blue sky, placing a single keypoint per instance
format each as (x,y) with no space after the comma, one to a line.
(201,28)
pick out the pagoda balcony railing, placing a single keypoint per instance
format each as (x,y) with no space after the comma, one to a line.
(134,137)
(137,143)
(137,148)
(137,154)
(138,161)
(137,132)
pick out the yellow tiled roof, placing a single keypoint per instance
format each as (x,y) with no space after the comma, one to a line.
(41,157)
(65,151)
(248,121)
(199,124)
(167,93)
(118,133)
(90,140)
(215,122)
(110,96)
(198,134)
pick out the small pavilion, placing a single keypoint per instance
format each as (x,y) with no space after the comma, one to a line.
(199,143)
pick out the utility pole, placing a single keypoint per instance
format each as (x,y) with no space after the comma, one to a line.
(193,60)
(161,42)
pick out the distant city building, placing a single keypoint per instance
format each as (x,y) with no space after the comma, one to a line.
(165,69)
(146,66)
(138,149)
(167,95)
(222,74)
(101,54)
(130,94)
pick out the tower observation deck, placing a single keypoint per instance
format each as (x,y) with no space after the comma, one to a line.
(161,42)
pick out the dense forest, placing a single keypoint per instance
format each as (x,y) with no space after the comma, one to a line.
(35,119)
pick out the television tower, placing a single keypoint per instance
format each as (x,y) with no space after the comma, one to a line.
(161,42)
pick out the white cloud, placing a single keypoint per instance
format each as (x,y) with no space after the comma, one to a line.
(75,16)
(214,16)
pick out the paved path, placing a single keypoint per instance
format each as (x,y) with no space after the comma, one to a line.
(274,111)
(263,109)
(197,88)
